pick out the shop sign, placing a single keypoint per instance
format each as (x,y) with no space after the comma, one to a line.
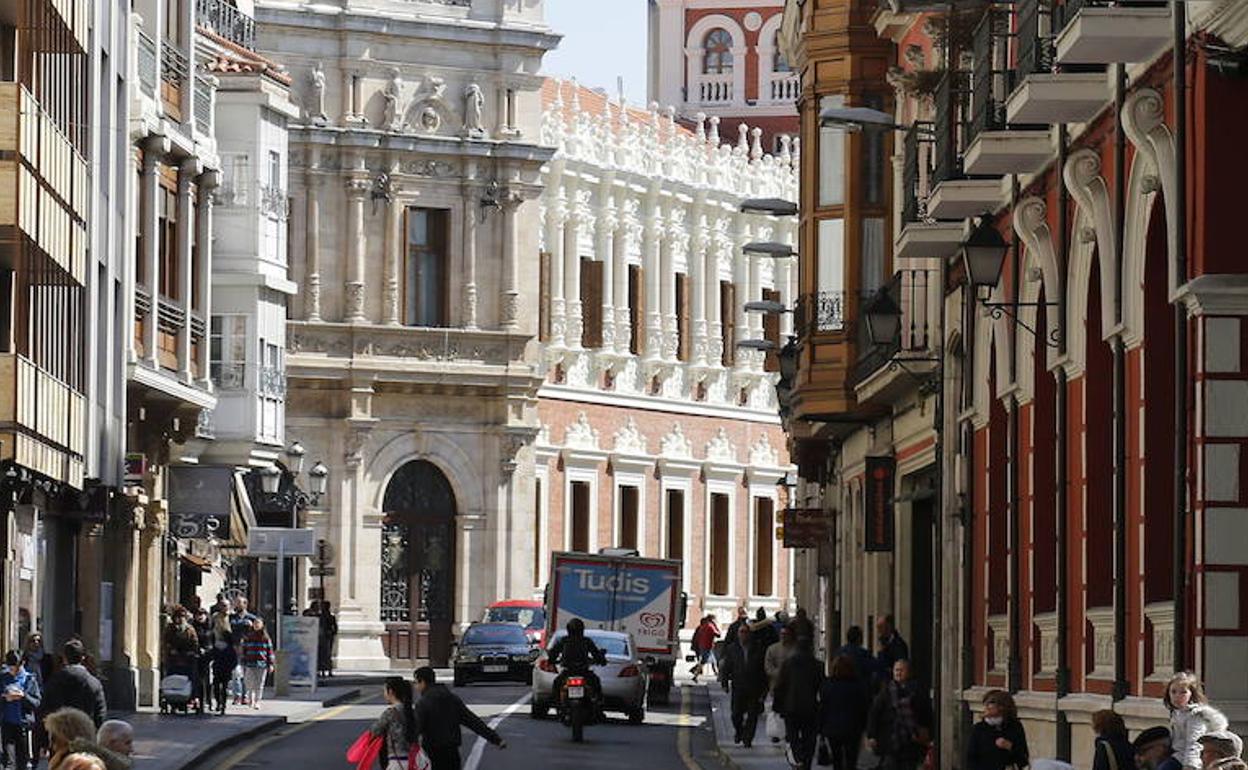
(878,503)
(136,467)
(806,527)
(199,501)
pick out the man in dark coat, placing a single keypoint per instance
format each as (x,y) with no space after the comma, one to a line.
(741,671)
(892,647)
(866,666)
(75,686)
(440,714)
(743,618)
(899,724)
(796,698)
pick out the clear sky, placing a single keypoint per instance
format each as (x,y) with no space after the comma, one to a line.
(602,39)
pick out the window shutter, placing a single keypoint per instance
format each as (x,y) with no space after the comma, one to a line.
(719,544)
(591,303)
(684,337)
(771,331)
(637,309)
(543,303)
(728,320)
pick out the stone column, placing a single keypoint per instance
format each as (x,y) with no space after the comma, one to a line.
(471,209)
(395,244)
(509,301)
(187,171)
(572,278)
(697,283)
(312,250)
(348,97)
(203,223)
(741,278)
(149,225)
(784,285)
(603,239)
(714,326)
(667,294)
(619,287)
(555,217)
(650,259)
(755,293)
(353,312)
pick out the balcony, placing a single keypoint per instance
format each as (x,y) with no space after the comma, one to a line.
(953,196)
(1101,32)
(202,103)
(783,88)
(716,89)
(994,150)
(876,379)
(174,72)
(922,237)
(1042,95)
(227,21)
(149,58)
(820,313)
(42,421)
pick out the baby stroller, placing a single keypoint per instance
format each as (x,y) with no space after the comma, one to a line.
(176,692)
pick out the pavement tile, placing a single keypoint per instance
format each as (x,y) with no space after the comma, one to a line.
(763,755)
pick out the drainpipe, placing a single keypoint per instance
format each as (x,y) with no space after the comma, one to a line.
(1179,567)
(1063,662)
(1015,671)
(1121,686)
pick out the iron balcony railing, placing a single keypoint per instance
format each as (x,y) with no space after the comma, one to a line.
(950,130)
(148,58)
(991,77)
(820,312)
(174,66)
(203,105)
(227,21)
(916,172)
(1033,23)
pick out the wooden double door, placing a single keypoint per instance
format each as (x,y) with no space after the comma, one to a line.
(418,566)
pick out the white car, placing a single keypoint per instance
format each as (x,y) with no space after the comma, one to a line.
(624,678)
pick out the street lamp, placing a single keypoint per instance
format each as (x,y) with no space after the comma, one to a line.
(295,453)
(855,119)
(318,481)
(983,254)
(883,318)
(767,306)
(772,249)
(270,479)
(776,207)
(765,346)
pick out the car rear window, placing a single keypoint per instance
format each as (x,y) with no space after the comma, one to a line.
(500,634)
(529,617)
(611,645)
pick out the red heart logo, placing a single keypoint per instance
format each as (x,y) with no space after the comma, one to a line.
(652,619)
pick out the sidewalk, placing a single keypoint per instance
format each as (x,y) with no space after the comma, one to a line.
(763,755)
(180,741)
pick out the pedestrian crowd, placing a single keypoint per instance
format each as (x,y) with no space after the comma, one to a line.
(874,700)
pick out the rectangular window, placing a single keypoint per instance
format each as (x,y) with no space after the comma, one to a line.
(720,544)
(580,516)
(511,108)
(140,255)
(537,532)
(167,213)
(872,154)
(675,515)
(831,265)
(728,321)
(684,335)
(831,158)
(872,254)
(543,301)
(636,310)
(591,303)
(194,300)
(630,503)
(227,351)
(771,332)
(764,545)
(275,170)
(425,287)
(173,21)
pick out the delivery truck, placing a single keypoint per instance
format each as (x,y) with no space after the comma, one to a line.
(617,590)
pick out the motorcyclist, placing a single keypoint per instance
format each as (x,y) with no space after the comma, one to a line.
(575,653)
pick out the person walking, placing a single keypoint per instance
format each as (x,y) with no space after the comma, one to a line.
(440,715)
(742,618)
(1111,750)
(843,712)
(795,697)
(224,663)
(20,690)
(203,662)
(75,686)
(892,647)
(764,629)
(397,724)
(1191,716)
(998,741)
(240,625)
(326,633)
(181,646)
(741,672)
(866,667)
(704,645)
(776,655)
(899,722)
(257,660)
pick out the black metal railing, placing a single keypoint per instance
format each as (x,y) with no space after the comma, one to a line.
(950,129)
(174,65)
(227,21)
(911,291)
(991,78)
(821,312)
(1035,37)
(916,172)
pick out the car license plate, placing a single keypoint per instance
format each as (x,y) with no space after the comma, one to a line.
(576,692)
(494,669)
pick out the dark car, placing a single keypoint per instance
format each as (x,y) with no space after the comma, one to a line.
(494,652)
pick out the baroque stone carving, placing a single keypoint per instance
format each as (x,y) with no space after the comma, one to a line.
(429,109)
(580,434)
(629,439)
(474,101)
(720,448)
(762,454)
(314,107)
(674,444)
(431,168)
(391,93)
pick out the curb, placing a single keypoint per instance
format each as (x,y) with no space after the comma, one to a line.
(341,698)
(197,758)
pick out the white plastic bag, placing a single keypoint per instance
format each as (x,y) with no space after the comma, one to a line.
(775,726)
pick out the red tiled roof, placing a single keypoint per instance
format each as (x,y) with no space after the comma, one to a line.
(239,59)
(595,103)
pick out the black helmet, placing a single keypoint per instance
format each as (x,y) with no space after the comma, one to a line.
(576,627)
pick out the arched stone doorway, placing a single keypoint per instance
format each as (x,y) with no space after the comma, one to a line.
(418,565)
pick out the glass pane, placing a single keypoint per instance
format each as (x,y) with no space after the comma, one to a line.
(831,255)
(872,254)
(831,158)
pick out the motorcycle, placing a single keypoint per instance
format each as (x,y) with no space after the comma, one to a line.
(578,704)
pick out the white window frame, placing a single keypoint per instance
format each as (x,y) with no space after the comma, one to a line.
(685,485)
(590,476)
(541,475)
(624,479)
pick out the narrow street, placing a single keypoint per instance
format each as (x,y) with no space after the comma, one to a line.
(677,737)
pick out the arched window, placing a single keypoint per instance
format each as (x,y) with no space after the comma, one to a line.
(717,52)
(778,61)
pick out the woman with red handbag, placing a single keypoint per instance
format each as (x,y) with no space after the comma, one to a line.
(397,725)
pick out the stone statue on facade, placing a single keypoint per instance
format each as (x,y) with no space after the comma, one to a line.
(428,108)
(315,107)
(391,93)
(474,101)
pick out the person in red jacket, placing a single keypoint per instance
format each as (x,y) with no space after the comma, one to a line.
(704,645)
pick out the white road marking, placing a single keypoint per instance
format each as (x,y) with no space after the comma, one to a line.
(478,748)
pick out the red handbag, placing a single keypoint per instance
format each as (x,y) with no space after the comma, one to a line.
(365,750)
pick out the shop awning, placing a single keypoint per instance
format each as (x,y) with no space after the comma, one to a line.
(196,562)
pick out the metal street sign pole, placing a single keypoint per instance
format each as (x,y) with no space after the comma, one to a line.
(281,574)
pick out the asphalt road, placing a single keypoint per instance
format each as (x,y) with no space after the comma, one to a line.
(676,737)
